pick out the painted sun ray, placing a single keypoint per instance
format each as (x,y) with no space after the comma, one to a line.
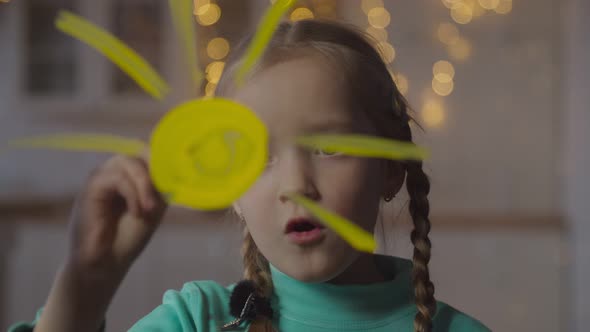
(356,236)
(265,30)
(81,142)
(115,50)
(365,146)
(182,17)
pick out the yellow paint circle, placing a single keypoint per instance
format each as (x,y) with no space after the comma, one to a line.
(206,153)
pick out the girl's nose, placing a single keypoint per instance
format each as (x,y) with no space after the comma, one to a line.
(311,194)
(297,176)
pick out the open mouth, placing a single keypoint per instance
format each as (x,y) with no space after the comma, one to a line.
(304,231)
(302,225)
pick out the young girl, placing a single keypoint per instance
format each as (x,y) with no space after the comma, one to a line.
(315,77)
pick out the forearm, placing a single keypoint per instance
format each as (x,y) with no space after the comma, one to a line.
(77,302)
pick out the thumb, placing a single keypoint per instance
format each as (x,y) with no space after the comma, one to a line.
(133,234)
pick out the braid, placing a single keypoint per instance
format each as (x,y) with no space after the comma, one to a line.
(256,269)
(418,187)
(256,266)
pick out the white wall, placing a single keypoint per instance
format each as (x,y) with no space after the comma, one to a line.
(576,129)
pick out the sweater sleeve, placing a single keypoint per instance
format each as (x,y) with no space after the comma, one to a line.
(199,306)
(29,326)
(172,315)
(449,319)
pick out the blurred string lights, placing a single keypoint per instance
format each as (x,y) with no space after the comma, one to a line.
(208,13)
(457,47)
(378,19)
(308,9)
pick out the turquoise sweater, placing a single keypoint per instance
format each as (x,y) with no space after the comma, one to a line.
(298,306)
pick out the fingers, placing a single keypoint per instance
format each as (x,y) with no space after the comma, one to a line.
(108,185)
(118,212)
(129,191)
(137,170)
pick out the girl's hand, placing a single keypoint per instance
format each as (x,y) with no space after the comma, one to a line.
(112,221)
(114,218)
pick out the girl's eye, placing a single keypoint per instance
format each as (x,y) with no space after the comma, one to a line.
(273,159)
(325,153)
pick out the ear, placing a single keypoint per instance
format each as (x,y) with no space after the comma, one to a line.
(395,174)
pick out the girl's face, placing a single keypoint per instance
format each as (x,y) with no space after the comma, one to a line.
(297,97)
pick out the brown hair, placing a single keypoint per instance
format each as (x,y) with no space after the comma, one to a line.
(372,90)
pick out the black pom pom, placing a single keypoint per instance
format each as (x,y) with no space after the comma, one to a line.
(239,297)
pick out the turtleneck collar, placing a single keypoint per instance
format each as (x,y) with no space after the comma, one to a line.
(329,305)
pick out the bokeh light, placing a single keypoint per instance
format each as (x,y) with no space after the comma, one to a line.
(489,4)
(301,13)
(367,5)
(324,9)
(213,71)
(379,34)
(387,51)
(402,83)
(210,89)
(462,13)
(200,6)
(218,48)
(442,88)
(450,3)
(443,71)
(448,33)
(210,14)
(461,50)
(476,8)
(504,7)
(433,113)
(379,17)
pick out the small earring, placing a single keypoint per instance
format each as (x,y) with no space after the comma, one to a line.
(388,198)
